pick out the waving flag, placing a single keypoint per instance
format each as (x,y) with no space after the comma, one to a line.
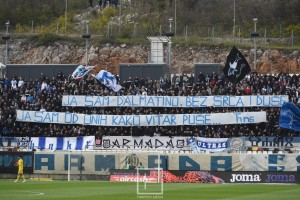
(192,143)
(108,80)
(290,116)
(236,67)
(81,71)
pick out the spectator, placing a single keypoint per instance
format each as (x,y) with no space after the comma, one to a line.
(14,84)
(46,95)
(20,82)
(7,84)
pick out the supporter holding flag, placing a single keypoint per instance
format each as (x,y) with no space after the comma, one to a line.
(236,67)
(107,79)
(81,71)
(290,116)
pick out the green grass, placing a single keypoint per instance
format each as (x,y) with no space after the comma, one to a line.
(92,190)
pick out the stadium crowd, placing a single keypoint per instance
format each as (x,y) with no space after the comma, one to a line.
(46,94)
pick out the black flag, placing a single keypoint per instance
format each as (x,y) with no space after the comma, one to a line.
(236,67)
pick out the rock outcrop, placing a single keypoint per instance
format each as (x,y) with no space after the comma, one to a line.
(183,58)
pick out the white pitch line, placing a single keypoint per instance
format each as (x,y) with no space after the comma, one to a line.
(145,186)
(21,193)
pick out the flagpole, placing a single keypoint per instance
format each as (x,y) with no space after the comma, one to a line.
(175,22)
(234,21)
(86,43)
(66,15)
(255,19)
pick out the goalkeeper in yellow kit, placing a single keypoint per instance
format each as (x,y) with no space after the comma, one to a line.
(20,170)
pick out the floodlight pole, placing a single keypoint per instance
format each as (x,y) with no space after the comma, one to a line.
(120,12)
(6,37)
(175,23)
(6,43)
(254,35)
(169,35)
(66,15)
(86,36)
(7,25)
(86,44)
(170,22)
(255,19)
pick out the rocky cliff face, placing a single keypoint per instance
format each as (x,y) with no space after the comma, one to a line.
(110,56)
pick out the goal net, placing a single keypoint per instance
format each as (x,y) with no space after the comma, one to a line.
(98,164)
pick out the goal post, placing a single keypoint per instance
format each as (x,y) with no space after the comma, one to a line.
(149,181)
(69,165)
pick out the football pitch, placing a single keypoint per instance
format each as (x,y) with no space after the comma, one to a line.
(92,190)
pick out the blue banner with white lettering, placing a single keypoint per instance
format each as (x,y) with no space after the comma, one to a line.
(290,116)
(200,144)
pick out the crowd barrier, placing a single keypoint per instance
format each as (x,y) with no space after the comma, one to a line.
(181,176)
(178,144)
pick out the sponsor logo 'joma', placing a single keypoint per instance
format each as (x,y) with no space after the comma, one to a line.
(245,178)
(280,178)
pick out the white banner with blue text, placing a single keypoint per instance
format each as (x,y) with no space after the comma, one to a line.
(175,101)
(62,143)
(141,120)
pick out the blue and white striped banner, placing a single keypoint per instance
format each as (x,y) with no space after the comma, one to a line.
(62,143)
